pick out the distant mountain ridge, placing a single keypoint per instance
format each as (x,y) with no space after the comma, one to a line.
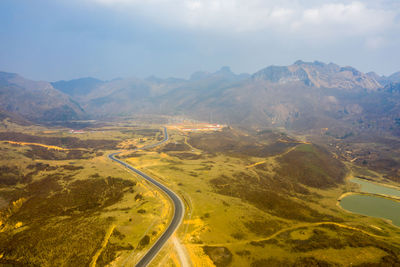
(224,72)
(394,78)
(81,86)
(36,101)
(319,74)
(303,96)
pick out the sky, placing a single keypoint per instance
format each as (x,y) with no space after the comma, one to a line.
(65,39)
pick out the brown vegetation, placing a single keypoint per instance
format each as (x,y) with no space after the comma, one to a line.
(65,142)
(187,156)
(221,256)
(68,242)
(233,143)
(143,242)
(300,262)
(279,192)
(59,218)
(264,227)
(312,166)
(47,198)
(12,175)
(39,152)
(327,236)
(269,194)
(110,252)
(175,147)
(147,132)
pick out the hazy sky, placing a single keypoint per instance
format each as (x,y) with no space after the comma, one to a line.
(64,39)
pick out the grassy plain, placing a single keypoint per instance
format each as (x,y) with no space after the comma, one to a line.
(59,208)
(253,206)
(257,198)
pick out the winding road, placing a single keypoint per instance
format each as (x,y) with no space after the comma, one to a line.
(178,207)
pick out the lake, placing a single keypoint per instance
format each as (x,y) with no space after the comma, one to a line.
(373,188)
(373,205)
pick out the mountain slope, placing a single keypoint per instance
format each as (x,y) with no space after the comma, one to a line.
(394,78)
(77,87)
(284,96)
(36,101)
(319,74)
(151,95)
(302,96)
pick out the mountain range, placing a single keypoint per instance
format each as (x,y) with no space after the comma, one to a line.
(302,96)
(35,101)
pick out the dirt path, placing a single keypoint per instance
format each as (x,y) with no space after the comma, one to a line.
(103,245)
(35,144)
(299,226)
(181,251)
(276,156)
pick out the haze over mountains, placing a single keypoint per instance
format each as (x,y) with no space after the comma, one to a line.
(36,101)
(302,96)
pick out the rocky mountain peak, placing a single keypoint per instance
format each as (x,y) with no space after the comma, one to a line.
(318,74)
(225,69)
(224,72)
(7,75)
(199,75)
(395,77)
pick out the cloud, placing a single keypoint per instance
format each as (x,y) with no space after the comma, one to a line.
(287,17)
(108,38)
(375,42)
(346,19)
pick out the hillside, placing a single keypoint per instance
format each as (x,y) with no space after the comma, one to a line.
(152,95)
(305,96)
(302,96)
(319,74)
(77,87)
(394,78)
(36,101)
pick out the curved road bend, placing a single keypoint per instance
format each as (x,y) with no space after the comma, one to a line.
(179,208)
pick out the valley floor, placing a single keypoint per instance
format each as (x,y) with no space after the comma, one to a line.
(251,199)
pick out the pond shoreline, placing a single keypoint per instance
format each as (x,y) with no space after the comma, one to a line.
(395,199)
(374,182)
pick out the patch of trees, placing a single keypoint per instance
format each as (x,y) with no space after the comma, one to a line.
(39,152)
(221,256)
(143,242)
(12,175)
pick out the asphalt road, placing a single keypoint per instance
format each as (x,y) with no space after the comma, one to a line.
(179,208)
